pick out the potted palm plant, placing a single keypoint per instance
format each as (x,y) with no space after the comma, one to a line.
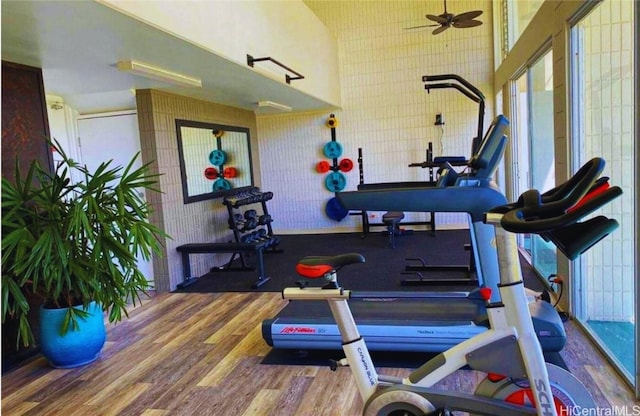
(73,244)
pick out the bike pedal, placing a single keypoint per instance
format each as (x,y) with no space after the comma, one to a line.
(545,296)
(333,364)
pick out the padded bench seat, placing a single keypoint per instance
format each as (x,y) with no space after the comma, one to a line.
(234,248)
(392,220)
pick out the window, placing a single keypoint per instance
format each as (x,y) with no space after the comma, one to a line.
(533,150)
(513,17)
(603,116)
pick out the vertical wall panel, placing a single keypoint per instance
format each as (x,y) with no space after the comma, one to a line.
(385,109)
(204,221)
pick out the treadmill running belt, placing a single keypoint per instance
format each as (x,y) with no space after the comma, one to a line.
(397,310)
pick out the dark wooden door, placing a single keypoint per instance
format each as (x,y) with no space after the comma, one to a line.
(25,128)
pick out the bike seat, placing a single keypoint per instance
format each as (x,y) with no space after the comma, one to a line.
(314,267)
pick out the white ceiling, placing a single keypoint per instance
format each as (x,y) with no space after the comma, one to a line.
(78,43)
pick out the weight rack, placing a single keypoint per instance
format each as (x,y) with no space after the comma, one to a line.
(247,241)
(250,225)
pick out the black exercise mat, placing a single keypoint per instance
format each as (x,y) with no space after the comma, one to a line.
(381,359)
(381,272)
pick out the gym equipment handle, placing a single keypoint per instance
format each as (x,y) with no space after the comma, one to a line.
(451,85)
(444,77)
(251,60)
(535,213)
(478,98)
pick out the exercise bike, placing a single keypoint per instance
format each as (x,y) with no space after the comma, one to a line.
(518,380)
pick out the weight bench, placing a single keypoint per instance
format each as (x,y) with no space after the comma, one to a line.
(235,248)
(392,220)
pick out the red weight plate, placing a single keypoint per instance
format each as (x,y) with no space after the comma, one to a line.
(346,165)
(323,167)
(210,173)
(230,172)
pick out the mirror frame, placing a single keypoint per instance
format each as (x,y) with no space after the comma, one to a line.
(183,171)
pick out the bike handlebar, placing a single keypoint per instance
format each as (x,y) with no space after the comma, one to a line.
(557,208)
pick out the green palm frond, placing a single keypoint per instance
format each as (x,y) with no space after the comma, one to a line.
(74,242)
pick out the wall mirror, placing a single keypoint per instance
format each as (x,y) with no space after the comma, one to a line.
(215,159)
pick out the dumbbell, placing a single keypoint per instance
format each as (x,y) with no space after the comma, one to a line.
(264,219)
(247,238)
(236,221)
(250,214)
(260,236)
(273,241)
(251,224)
(250,220)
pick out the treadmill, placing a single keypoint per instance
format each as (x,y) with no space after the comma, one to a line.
(421,321)
(401,321)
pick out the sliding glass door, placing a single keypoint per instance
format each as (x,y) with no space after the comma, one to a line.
(603,116)
(533,150)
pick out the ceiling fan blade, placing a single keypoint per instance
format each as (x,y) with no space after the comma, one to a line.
(440,19)
(419,27)
(440,30)
(467,23)
(467,15)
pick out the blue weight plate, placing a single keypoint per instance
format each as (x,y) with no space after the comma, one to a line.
(217,157)
(332,150)
(221,184)
(335,181)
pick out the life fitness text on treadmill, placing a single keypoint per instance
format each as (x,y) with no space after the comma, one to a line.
(298,330)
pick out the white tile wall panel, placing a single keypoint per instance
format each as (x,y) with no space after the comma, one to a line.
(385,109)
(203,221)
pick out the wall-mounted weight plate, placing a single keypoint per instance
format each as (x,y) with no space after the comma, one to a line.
(230,172)
(210,173)
(221,184)
(323,166)
(345,165)
(332,121)
(335,181)
(335,210)
(332,150)
(217,157)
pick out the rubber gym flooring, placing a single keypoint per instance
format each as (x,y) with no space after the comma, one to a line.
(382,270)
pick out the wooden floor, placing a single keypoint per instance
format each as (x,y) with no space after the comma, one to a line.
(200,354)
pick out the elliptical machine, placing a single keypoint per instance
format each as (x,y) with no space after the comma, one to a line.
(519,382)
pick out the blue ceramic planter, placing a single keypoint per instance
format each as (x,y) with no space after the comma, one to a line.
(75,348)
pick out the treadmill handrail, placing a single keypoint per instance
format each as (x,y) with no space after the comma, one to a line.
(473,200)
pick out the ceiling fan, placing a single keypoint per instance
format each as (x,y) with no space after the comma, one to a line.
(446,20)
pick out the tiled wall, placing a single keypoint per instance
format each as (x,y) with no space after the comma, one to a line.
(385,109)
(204,221)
